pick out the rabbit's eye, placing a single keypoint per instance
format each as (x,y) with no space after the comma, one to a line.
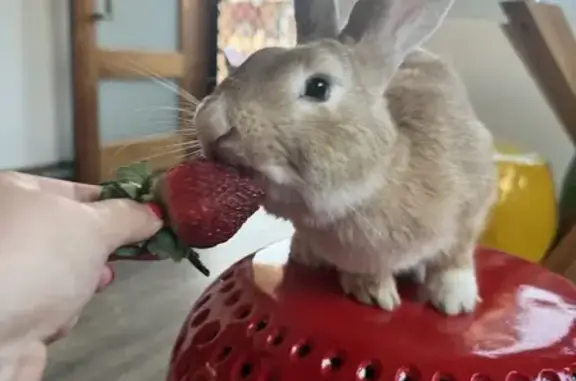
(317,88)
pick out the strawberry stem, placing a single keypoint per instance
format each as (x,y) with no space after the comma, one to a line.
(194,258)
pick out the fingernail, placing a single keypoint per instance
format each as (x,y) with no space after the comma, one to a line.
(106,278)
(156,209)
(112,274)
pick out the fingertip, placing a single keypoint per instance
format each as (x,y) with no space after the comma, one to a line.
(126,221)
(106,278)
(155,209)
(156,220)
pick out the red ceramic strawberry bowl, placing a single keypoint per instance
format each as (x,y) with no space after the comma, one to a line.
(270,320)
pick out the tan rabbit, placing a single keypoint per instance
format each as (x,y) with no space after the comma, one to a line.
(367,144)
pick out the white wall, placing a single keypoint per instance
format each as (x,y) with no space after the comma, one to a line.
(34,73)
(11,91)
(35,101)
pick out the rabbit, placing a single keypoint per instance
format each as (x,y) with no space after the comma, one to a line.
(368,144)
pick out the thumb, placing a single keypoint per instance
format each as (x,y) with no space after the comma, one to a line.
(124,221)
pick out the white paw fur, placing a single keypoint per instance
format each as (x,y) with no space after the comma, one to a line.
(453,291)
(372,291)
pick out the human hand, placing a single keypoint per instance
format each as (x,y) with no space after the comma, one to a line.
(54,244)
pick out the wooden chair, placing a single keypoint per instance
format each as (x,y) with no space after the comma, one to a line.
(543,39)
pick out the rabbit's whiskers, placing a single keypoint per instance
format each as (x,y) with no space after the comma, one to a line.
(183,121)
(180,150)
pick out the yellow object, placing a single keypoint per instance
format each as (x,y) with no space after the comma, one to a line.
(524,220)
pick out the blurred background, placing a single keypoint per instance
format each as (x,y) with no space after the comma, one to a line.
(88,85)
(36,94)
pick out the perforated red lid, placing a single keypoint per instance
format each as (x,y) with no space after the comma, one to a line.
(270,320)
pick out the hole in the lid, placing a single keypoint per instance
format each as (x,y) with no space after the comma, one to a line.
(276,338)
(245,370)
(200,318)
(548,375)
(227,287)
(259,325)
(200,303)
(302,349)
(233,299)
(223,354)
(227,275)
(369,371)
(207,333)
(262,324)
(243,312)
(515,376)
(333,362)
(408,374)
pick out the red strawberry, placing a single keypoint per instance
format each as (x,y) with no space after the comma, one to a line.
(205,204)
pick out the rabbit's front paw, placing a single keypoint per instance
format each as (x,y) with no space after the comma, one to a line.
(453,291)
(379,291)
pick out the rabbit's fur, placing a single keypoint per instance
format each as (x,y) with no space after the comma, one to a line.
(374,185)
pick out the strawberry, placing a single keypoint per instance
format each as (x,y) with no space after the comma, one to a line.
(203,204)
(207,202)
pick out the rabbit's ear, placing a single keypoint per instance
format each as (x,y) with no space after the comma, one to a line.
(385,31)
(315,19)
(233,58)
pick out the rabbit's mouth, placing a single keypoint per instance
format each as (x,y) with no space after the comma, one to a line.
(262,175)
(239,165)
(270,177)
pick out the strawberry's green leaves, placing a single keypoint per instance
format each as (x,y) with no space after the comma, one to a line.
(136,173)
(132,190)
(113,190)
(181,251)
(120,190)
(128,252)
(166,245)
(161,245)
(133,182)
(148,192)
